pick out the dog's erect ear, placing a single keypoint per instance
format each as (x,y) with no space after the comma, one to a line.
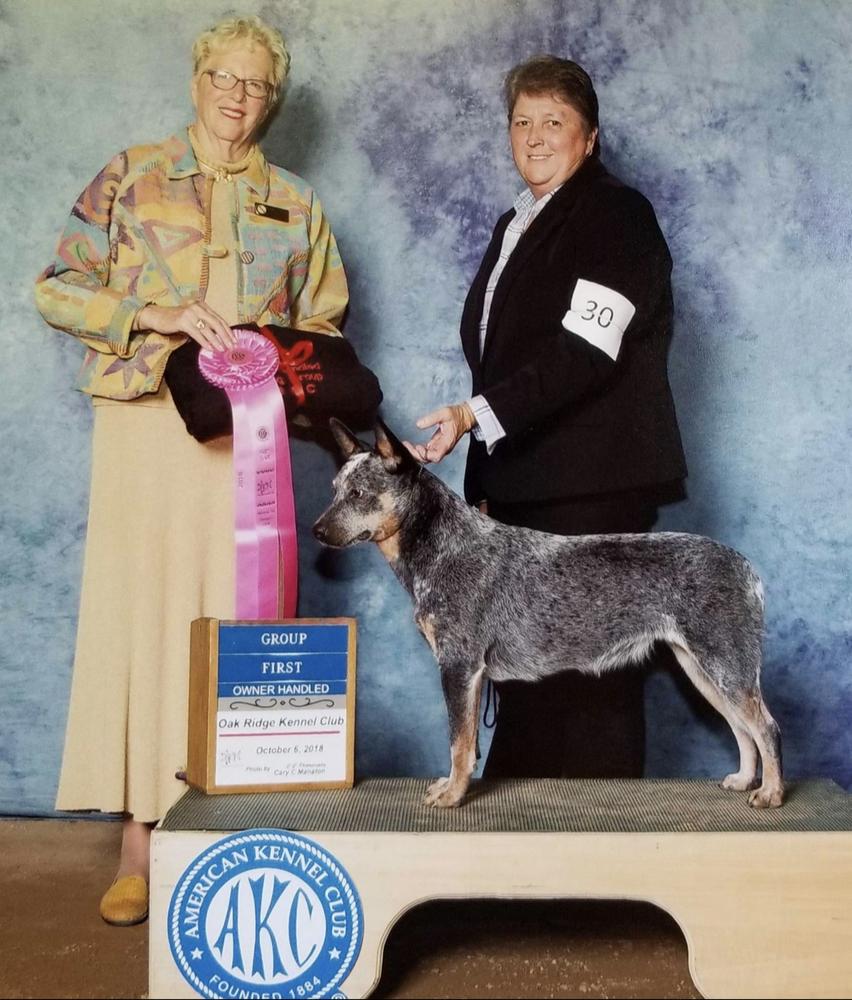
(393,453)
(348,444)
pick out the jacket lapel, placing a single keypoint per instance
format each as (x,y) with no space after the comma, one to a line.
(551,216)
(472,313)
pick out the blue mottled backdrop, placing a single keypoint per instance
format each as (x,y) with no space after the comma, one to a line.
(733,118)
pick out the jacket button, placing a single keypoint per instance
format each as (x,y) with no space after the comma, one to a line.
(260,209)
(247,256)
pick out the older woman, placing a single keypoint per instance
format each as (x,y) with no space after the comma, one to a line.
(182,238)
(566,330)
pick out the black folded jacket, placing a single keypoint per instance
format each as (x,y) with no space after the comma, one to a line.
(319,376)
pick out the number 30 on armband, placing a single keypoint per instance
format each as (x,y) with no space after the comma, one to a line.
(602,315)
(599,315)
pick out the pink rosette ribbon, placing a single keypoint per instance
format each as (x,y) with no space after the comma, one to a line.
(264,507)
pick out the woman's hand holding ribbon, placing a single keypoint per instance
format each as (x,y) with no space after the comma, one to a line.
(195,319)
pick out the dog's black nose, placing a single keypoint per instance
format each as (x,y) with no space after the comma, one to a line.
(319,531)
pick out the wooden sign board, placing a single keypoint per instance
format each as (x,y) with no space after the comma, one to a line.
(271,705)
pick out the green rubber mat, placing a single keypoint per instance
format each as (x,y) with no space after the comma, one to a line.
(522,805)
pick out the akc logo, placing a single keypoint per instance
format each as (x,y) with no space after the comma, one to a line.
(265,913)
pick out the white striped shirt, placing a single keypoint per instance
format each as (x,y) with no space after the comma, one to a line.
(488,428)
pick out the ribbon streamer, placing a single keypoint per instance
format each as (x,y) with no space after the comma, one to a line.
(264,506)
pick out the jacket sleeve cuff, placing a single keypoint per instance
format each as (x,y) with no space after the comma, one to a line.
(488,428)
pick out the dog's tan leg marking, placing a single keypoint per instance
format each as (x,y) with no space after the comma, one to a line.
(448,792)
(426,624)
(745,778)
(756,716)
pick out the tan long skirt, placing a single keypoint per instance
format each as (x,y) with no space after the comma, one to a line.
(159,553)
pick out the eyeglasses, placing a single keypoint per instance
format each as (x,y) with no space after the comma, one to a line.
(223,80)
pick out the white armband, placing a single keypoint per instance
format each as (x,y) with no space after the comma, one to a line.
(599,315)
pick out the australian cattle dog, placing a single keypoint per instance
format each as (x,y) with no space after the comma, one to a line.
(508,603)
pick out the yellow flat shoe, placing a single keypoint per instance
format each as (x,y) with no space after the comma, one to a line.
(126,901)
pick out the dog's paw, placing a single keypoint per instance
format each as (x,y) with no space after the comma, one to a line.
(740,782)
(441,794)
(434,790)
(767,798)
(447,799)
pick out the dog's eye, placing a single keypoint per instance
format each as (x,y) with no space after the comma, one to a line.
(356,492)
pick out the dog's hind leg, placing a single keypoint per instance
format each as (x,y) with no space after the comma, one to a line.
(767,735)
(462,689)
(746,777)
(745,712)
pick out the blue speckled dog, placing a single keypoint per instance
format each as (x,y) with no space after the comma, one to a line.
(510,603)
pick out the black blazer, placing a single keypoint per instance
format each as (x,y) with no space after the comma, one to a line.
(577,421)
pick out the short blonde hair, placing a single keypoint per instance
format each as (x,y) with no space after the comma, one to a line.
(253,30)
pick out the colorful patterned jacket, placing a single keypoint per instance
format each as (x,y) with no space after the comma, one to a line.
(139,234)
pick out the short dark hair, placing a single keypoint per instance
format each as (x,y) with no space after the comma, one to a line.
(566,79)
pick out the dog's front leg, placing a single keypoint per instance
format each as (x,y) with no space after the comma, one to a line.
(462,687)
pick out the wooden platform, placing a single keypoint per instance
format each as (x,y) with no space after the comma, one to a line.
(764,898)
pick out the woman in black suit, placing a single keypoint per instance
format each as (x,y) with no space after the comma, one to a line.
(566,331)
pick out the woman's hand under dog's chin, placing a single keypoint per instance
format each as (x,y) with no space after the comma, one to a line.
(453,422)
